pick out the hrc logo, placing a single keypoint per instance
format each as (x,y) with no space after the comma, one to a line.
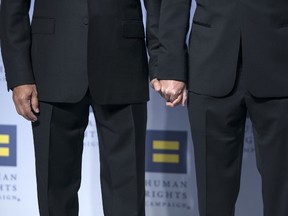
(166,151)
(7,145)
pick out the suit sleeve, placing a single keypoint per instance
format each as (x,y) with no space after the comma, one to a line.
(152,38)
(16,42)
(172,28)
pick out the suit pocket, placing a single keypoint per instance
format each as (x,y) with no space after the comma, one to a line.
(43,25)
(201,24)
(283,25)
(133,29)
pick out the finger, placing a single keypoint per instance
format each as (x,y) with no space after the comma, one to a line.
(174,96)
(178,100)
(175,102)
(184,98)
(26,111)
(156,85)
(18,104)
(175,92)
(20,109)
(34,103)
(169,104)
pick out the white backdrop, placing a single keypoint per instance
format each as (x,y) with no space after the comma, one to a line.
(167,193)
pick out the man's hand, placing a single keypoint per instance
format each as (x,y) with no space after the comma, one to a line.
(174,92)
(26,101)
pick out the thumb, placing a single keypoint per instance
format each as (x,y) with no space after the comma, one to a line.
(184,98)
(34,102)
(156,85)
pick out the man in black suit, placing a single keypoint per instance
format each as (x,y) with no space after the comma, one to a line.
(77,54)
(238,52)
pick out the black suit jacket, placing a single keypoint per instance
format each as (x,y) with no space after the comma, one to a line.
(219,29)
(64,36)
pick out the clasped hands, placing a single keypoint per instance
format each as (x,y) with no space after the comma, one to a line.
(173,91)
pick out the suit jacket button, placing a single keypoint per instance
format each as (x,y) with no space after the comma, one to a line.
(85,21)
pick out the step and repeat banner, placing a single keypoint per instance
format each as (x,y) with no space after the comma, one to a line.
(170,173)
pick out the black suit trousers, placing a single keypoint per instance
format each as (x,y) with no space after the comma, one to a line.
(218,127)
(58,138)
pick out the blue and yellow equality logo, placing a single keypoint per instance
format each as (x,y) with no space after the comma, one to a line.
(8,145)
(166,151)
